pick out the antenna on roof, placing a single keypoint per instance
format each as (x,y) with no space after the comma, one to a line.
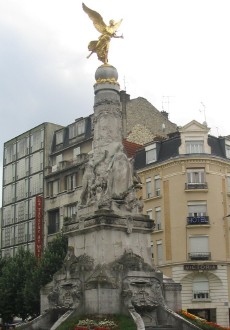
(204,109)
(165,100)
(124,84)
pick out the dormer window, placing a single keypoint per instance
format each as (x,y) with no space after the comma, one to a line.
(151,155)
(227,149)
(76,129)
(194,146)
(59,137)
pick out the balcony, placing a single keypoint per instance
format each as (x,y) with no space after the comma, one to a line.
(201,295)
(65,164)
(195,186)
(199,256)
(198,220)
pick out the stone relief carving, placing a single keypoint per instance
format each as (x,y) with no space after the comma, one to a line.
(141,291)
(67,288)
(109,181)
(137,319)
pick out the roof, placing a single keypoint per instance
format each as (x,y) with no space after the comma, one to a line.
(131,148)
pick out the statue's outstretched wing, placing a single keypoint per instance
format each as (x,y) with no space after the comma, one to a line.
(116,25)
(96,18)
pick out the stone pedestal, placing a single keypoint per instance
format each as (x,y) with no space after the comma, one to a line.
(108,268)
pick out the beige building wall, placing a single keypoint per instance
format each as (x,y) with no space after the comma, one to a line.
(175,233)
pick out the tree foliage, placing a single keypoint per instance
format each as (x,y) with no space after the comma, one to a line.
(22,276)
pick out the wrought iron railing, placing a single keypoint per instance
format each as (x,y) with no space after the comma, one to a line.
(198,220)
(192,186)
(199,255)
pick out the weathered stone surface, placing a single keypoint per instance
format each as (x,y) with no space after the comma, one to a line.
(108,268)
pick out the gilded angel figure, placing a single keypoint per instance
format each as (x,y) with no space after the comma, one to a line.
(101,46)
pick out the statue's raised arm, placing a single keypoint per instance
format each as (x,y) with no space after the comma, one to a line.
(101,46)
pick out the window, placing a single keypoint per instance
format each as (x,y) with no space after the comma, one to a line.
(7,215)
(158,218)
(71,211)
(194,147)
(37,140)
(151,155)
(22,232)
(59,159)
(152,249)
(21,189)
(159,252)
(9,194)
(200,287)
(53,221)
(59,137)
(76,129)
(148,188)
(22,147)
(53,188)
(31,230)
(195,178)
(228,183)
(32,208)
(35,162)
(71,182)
(9,174)
(150,213)
(227,150)
(197,208)
(157,186)
(10,153)
(197,213)
(22,168)
(199,249)
(35,183)
(76,152)
(21,211)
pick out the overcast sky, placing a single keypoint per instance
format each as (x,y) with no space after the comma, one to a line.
(175,53)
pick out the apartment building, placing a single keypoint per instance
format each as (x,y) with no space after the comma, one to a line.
(186,190)
(24,161)
(63,177)
(43,169)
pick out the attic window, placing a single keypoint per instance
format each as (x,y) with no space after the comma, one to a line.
(76,129)
(59,137)
(194,147)
(227,150)
(151,155)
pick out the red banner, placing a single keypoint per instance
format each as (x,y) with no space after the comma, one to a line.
(38,226)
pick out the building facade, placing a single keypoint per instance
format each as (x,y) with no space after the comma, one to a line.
(24,161)
(48,161)
(186,190)
(63,178)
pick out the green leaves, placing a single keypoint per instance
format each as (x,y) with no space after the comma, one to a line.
(22,276)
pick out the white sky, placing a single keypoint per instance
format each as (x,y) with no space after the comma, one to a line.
(173,50)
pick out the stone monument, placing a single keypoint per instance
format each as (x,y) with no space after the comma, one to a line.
(108,268)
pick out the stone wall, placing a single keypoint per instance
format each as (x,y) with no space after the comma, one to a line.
(144,118)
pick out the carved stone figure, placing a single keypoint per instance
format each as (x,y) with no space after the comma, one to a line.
(119,174)
(87,182)
(101,46)
(137,319)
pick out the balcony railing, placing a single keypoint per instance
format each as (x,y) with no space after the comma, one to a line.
(192,186)
(201,295)
(199,255)
(198,220)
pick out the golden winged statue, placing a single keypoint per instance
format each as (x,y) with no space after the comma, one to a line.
(101,46)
